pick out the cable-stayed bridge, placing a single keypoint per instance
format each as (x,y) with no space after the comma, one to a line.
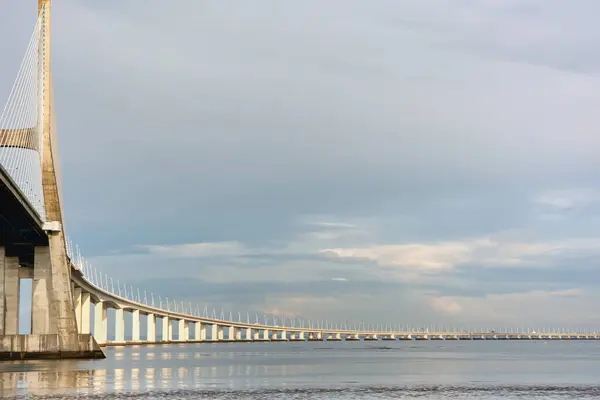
(70,299)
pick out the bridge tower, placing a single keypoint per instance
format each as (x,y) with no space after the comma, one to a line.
(54,329)
(53,309)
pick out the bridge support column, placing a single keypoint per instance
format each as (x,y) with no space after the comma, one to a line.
(266,334)
(77,298)
(11,294)
(284,335)
(100,322)
(197,330)
(151,328)
(2,291)
(248,333)
(256,334)
(301,336)
(238,333)
(220,332)
(135,325)
(119,325)
(166,329)
(202,331)
(231,333)
(41,323)
(183,331)
(214,332)
(85,313)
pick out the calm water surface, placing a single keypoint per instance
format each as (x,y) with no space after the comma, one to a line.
(371,370)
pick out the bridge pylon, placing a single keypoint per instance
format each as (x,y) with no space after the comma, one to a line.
(54,328)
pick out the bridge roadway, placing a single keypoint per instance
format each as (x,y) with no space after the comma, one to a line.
(199,329)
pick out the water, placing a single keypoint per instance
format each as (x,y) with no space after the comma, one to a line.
(346,370)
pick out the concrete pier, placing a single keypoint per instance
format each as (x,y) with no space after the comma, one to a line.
(11,295)
(85,314)
(119,325)
(135,326)
(24,347)
(2,291)
(100,322)
(151,328)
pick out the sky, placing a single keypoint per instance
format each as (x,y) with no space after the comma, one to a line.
(396,162)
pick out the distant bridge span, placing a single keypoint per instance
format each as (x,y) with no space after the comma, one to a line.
(193,328)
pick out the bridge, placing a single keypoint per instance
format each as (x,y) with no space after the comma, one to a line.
(69,300)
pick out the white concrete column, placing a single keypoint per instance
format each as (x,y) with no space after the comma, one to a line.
(220,332)
(166,323)
(85,313)
(231,333)
(202,331)
(284,335)
(256,334)
(320,335)
(197,330)
(214,334)
(119,325)
(170,330)
(2,292)
(248,333)
(151,328)
(77,301)
(100,322)
(11,293)
(301,335)
(182,331)
(135,325)
(41,323)
(266,334)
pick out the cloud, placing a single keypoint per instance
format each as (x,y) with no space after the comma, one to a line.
(555,205)
(334,224)
(525,309)
(195,250)
(445,305)
(568,199)
(485,252)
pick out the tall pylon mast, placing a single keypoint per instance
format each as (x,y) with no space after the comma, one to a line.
(50,179)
